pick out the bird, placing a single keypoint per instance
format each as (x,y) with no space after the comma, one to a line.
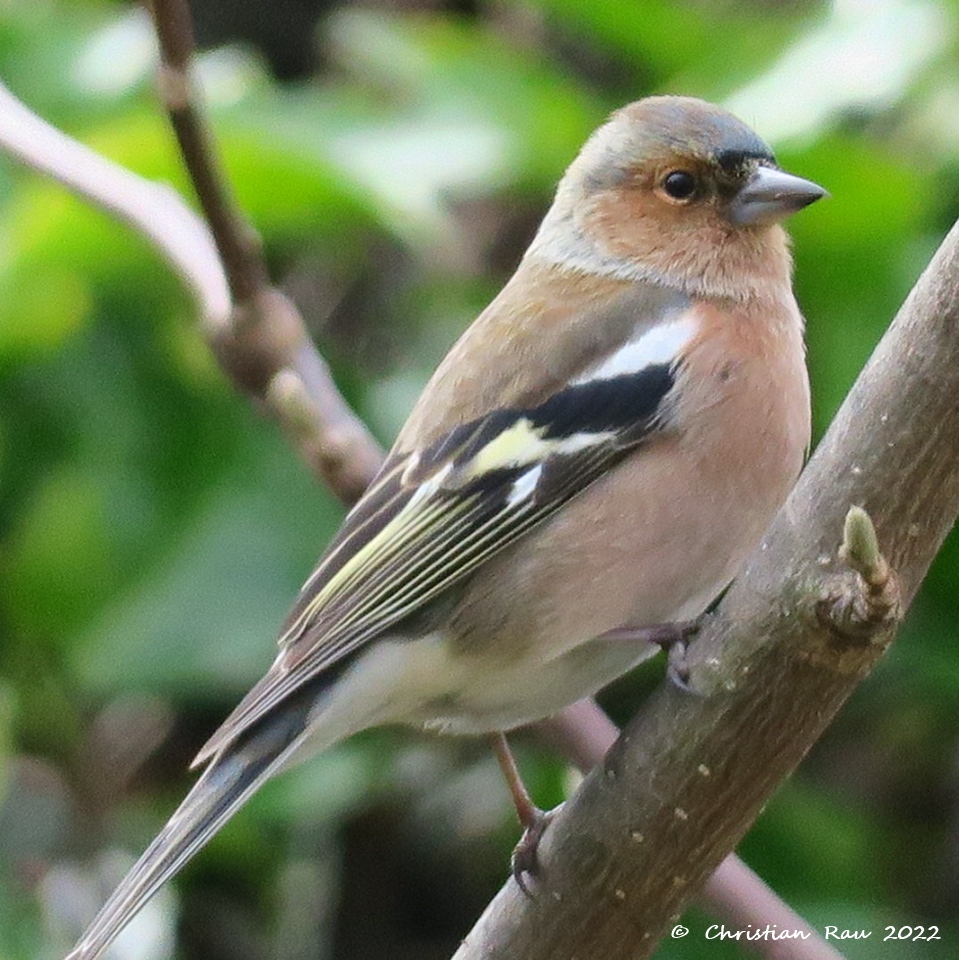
(595,458)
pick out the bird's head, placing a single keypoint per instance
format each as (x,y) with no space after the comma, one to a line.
(677,189)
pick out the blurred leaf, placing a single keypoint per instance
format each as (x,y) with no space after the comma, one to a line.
(47,72)
(42,308)
(806,840)
(848,252)
(203,617)
(439,69)
(7,713)
(43,588)
(710,46)
(328,787)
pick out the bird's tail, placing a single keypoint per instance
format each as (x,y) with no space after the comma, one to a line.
(228,782)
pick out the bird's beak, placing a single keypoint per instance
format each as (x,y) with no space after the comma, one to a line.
(769,195)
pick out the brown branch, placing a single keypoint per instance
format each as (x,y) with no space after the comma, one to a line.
(265,348)
(691,773)
(236,240)
(733,893)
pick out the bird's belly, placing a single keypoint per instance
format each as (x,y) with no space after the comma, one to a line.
(427,683)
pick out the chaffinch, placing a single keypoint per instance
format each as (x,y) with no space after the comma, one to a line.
(600,450)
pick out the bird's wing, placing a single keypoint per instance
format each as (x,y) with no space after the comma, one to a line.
(433,516)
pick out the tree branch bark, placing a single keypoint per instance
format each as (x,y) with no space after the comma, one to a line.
(733,893)
(264,347)
(690,773)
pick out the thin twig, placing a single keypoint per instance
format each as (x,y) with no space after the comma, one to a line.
(153,210)
(236,240)
(855,605)
(265,347)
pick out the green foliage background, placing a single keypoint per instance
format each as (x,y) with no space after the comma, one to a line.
(153,527)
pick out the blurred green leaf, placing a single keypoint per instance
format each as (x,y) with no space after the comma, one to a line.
(7,713)
(806,840)
(43,587)
(203,617)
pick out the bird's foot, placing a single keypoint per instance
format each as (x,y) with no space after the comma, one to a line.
(524,863)
(673,638)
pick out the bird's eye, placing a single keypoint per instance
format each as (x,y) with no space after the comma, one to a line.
(679,185)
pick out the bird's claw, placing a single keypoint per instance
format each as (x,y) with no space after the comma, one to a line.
(674,639)
(524,862)
(677,662)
